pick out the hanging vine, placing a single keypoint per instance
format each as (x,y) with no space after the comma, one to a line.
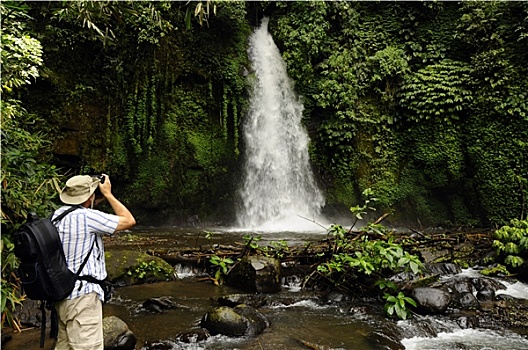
(235,128)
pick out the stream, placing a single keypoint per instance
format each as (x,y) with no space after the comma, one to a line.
(294,315)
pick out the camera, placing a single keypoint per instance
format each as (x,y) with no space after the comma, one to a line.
(101,178)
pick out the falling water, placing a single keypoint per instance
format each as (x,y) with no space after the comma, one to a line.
(278,188)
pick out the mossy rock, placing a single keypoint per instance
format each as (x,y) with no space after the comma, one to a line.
(256,273)
(128,267)
(242,320)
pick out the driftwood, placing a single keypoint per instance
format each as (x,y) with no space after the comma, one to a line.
(413,240)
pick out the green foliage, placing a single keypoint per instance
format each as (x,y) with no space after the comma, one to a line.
(511,243)
(223,264)
(348,258)
(425,103)
(21,54)
(437,91)
(397,305)
(404,92)
(275,249)
(359,211)
(10,285)
(99,17)
(496,270)
(303,30)
(20,59)
(148,270)
(386,68)
(369,257)
(252,241)
(498,154)
(29,183)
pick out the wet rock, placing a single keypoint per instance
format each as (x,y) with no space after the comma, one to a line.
(158,304)
(30,314)
(257,321)
(465,322)
(431,300)
(256,273)
(128,267)
(193,336)
(359,310)
(482,283)
(467,301)
(486,294)
(116,334)
(431,272)
(157,345)
(241,320)
(441,269)
(384,340)
(424,327)
(460,286)
(335,297)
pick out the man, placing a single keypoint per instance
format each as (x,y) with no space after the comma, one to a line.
(81,313)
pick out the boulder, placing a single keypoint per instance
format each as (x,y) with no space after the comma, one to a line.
(441,269)
(193,336)
(128,267)
(431,300)
(256,273)
(467,301)
(116,334)
(158,305)
(241,320)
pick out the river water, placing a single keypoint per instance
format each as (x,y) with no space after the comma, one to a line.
(295,316)
(301,318)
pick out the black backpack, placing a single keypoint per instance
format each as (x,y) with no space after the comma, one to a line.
(43,270)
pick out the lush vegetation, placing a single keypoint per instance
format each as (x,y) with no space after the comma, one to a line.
(511,242)
(29,181)
(424,102)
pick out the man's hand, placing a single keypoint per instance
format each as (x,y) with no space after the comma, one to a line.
(126,219)
(106,187)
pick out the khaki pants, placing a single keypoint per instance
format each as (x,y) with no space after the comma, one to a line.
(80,323)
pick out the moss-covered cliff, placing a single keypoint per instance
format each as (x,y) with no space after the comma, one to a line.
(425,103)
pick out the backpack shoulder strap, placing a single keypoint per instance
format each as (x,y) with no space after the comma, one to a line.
(64,213)
(85,259)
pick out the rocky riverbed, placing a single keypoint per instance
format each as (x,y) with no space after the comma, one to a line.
(469,300)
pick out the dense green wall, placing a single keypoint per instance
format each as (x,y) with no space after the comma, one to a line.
(424,102)
(156,105)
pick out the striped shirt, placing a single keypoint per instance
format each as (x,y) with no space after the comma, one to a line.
(77,231)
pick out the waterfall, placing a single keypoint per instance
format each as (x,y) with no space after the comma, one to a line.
(278,187)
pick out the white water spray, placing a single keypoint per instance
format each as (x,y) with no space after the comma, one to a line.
(278,188)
